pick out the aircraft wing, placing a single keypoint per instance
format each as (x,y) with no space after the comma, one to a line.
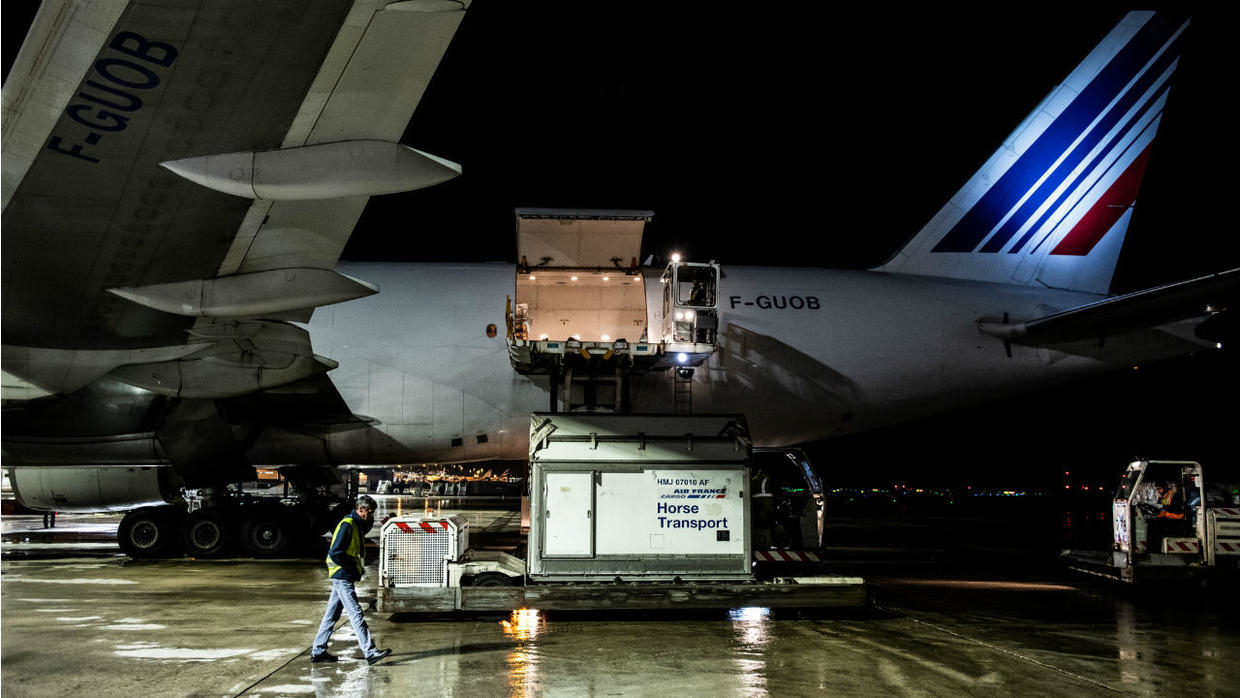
(1210,295)
(179,178)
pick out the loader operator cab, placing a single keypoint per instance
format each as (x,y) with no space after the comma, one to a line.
(1157,501)
(690,308)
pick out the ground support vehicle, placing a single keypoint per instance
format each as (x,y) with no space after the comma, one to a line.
(626,512)
(1168,523)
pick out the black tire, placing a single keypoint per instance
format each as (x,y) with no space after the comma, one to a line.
(267,532)
(148,533)
(205,533)
(491,579)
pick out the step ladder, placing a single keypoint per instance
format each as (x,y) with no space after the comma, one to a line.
(682,390)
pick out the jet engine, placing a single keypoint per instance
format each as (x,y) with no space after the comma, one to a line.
(93,488)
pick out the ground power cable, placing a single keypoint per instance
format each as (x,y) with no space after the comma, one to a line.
(339,624)
(1002,650)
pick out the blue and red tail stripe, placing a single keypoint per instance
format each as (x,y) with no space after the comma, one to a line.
(1049,174)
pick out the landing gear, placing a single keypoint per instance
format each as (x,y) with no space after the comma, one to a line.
(223,521)
(149,532)
(204,533)
(266,532)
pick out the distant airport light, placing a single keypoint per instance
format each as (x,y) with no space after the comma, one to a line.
(682,358)
(542,336)
(574,278)
(532,277)
(675,258)
(606,278)
(606,338)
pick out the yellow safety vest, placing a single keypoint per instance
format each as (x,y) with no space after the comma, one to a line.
(354,550)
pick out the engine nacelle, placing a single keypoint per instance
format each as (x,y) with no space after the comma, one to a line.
(93,488)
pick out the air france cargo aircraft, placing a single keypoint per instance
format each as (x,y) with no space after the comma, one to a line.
(179,183)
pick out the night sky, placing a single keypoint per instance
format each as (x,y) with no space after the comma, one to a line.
(767,134)
(828,139)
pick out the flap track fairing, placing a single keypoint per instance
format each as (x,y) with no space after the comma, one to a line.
(257,294)
(322,171)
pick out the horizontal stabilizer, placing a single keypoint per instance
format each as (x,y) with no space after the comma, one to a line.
(1153,307)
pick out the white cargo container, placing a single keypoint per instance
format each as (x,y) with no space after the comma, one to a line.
(649,497)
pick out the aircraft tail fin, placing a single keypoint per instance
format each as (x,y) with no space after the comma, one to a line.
(1051,206)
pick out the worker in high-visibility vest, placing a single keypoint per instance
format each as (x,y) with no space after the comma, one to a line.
(1170,506)
(346,563)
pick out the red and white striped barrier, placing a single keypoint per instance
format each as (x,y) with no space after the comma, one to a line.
(1181,545)
(428,526)
(785,556)
(1227,547)
(1227,512)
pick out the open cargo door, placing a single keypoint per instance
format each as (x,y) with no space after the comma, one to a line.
(578,278)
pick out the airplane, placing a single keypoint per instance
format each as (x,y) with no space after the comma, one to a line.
(178,187)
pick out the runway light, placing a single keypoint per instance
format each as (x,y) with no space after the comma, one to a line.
(682,358)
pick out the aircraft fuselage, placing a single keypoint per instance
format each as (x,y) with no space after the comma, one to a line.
(805,354)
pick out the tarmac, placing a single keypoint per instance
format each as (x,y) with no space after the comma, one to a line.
(80,618)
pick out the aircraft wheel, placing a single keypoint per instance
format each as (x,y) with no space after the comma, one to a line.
(204,534)
(147,533)
(267,532)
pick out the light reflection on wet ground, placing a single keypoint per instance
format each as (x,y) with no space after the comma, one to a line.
(73,624)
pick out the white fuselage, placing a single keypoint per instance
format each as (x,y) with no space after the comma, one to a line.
(804,354)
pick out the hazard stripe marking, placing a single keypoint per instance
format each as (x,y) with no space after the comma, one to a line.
(428,526)
(786,556)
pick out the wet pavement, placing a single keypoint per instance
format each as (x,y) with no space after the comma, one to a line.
(953,617)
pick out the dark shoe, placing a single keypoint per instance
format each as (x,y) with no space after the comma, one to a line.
(325,657)
(378,656)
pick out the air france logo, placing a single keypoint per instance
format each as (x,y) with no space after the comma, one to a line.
(111,97)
